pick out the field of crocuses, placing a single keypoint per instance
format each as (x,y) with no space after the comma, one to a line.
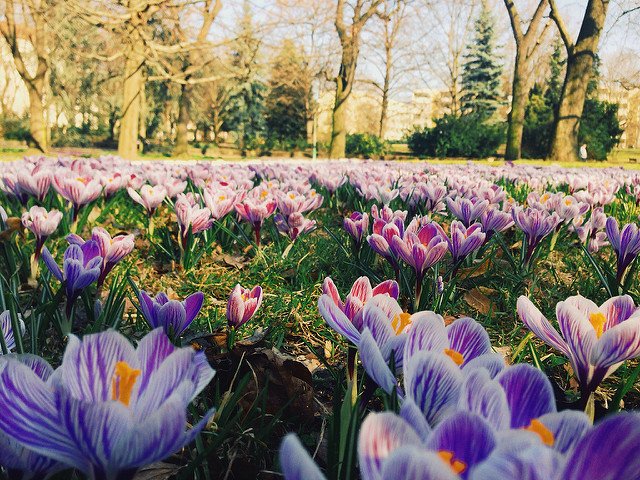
(302,320)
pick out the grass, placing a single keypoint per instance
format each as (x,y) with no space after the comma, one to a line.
(618,158)
(244,440)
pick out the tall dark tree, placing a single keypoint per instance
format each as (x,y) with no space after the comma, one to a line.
(246,106)
(289,95)
(482,70)
(527,42)
(580,58)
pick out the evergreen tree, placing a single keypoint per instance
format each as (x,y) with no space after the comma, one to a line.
(556,66)
(245,112)
(289,95)
(481,70)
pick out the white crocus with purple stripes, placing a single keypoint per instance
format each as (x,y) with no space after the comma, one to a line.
(110,408)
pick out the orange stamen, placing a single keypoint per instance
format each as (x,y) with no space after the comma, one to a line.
(455,356)
(400,322)
(537,427)
(598,320)
(456,465)
(124,379)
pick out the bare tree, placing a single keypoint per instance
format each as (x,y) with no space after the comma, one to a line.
(450,23)
(131,22)
(33,28)
(393,18)
(527,42)
(350,37)
(580,57)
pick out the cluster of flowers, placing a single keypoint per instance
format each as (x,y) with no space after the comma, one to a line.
(465,414)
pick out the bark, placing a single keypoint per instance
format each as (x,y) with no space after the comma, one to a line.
(182,142)
(580,58)
(37,117)
(32,16)
(520,96)
(350,43)
(386,85)
(527,43)
(131,99)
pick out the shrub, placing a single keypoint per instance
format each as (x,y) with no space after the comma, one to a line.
(599,128)
(13,127)
(365,145)
(538,127)
(465,136)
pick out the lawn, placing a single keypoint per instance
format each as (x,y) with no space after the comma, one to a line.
(452,238)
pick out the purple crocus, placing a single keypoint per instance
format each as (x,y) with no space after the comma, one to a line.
(464,240)
(381,239)
(13,455)
(81,267)
(111,249)
(467,210)
(255,212)
(174,316)
(625,243)
(110,408)
(242,305)
(495,221)
(421,250)
(597,340)
(389,447)
(357,226)
(6,330)
(536,225)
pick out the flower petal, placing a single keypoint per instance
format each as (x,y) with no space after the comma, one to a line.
(295,461)
(469,338)
(336,319)
(540,326)
(413,463)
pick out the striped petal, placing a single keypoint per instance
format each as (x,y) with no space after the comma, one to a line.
(469,338)
(540,326)
(580,336)
(413,463)
(529,393)
(485,397)
(433,382)
(607,452)
(374,363)
(428,333)
(567,427)
(337,320)
(295,461)
(617,344)
(380,435)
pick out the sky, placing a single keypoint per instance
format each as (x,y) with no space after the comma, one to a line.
(621,34)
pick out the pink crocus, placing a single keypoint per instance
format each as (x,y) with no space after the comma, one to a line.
(242,305)
(357,226)
(295,202)
(149,197)
(464,240)
(77,189)
(354,302)
(255,212)
(220,201)
(191,217)
(294,225)
(42,224)
(34,181)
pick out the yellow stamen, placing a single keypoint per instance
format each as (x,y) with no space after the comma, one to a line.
(124,379)
(400,322)
(537,427)
(455,356)
(568,202)
(598,320)
(457,466)
(264,194)
(292,196)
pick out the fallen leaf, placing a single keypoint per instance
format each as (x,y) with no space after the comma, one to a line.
(479,301)
(157,471)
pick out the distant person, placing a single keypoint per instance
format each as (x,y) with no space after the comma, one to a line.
(583,152)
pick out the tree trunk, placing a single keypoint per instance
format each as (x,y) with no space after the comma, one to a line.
(520,93)
(182,142)
(131,102)
(385,93)
(574,90)
(37,121)
(344,85)
(339,119)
